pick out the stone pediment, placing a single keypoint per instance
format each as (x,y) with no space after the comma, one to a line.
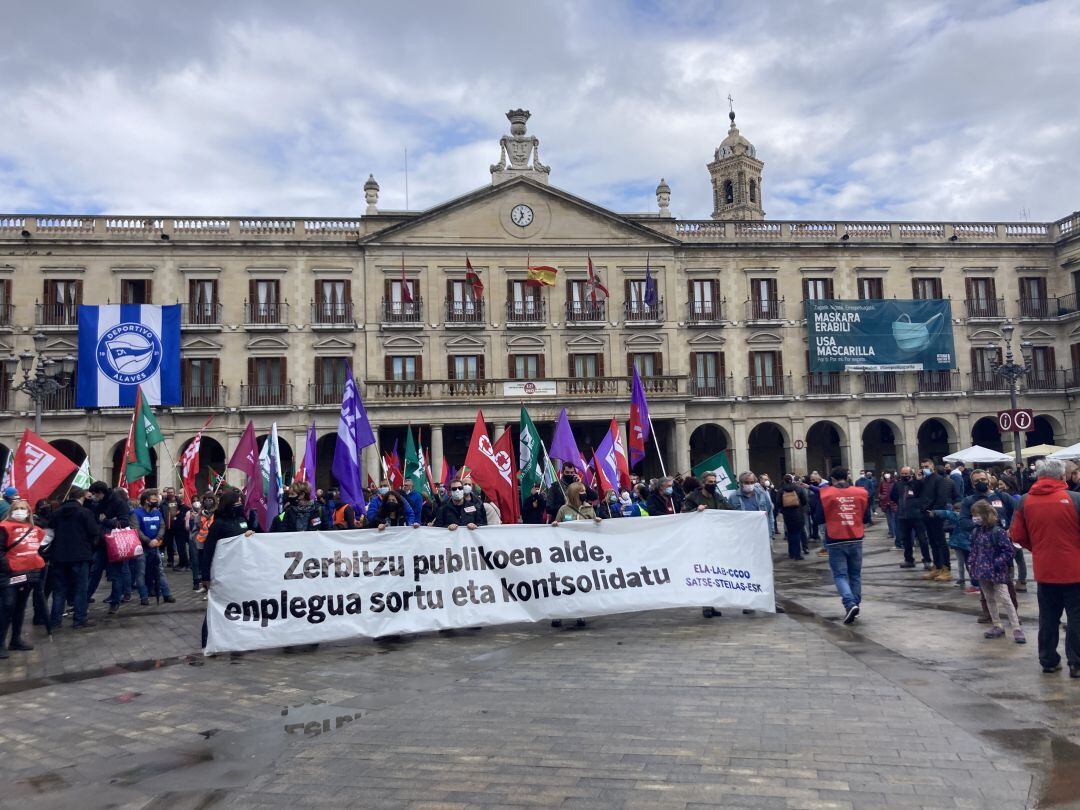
(644,341)
(266,343)
(707,340)
(465,342)
(588,342)
(764,339)
(984,335)
(200,344)
(62,344)
(486,217)
(520,343)
(403,343)
(1036,334)
(334,342)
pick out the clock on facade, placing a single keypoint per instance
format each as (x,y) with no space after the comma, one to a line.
(521,215)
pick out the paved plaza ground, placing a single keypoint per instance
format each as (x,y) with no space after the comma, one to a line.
(909,708)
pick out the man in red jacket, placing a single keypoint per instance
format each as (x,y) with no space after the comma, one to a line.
(1047,523)
(842,509)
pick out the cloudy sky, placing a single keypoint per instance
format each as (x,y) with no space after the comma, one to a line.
(870,110)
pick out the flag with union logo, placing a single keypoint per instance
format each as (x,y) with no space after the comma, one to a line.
(123,347)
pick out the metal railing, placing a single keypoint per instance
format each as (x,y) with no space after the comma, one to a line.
(1045,309)
(640,312)
(585,311)
(984,307)
(271,313)
(332,313)
(768,386)
(398,390)
(62,400)
(528,310)
(762,310)
(1072,377)
(465,312)
(987,381)
(881,383)
(203,396)
(258,396)
(714,387)
(326,393)
(201,313)
(704,311)
(827,384)
(403,312)
(937,382)
(1045,380)
(56,314)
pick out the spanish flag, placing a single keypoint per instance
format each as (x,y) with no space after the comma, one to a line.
(541,276)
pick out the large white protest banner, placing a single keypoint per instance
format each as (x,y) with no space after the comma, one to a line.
(273,590)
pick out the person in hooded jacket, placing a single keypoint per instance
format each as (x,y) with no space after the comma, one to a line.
(229,521)
(301,513)
(394,510)
(75,534)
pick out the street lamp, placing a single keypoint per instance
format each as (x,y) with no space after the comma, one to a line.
(40,382)
(1012,373)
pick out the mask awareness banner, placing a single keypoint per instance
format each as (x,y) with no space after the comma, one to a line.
(274,590)
(880,335)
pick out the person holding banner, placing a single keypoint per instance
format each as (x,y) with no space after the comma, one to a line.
(228,521)
(394,510)
(459,512)
(20,571)
(574,509)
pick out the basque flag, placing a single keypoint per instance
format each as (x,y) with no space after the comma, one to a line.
(123,347)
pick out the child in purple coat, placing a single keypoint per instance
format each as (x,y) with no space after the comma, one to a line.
(989,562)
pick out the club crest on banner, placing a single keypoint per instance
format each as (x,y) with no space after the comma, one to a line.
(129,353)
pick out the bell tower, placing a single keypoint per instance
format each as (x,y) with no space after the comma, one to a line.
(736,177)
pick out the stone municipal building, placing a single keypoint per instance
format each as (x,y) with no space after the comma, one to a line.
(275,309)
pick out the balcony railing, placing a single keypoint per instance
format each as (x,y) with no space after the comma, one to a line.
(5,397)
(326,393)
(526,311)
(403,313)
(769,386)
(656,384)
(332,313)
(260,396)
(203,396)
(1045,309)
(1072,378)
(202,313)
(464,313)
(937,382)
(585,312)
(988,381)
(713,387)
(590,386)
(640,312)
(429,390)
(1067,304)
(881,383)
(1045,380)
(56,314)
(699,312)
(823,384)
(758,309)
(985,307)
(62,400)
(6,314)
(267,313)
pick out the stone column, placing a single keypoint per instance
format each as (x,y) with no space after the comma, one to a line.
(682,446)
(911,443)
(96,454)
(740,448)
(799,461)
(436,451)
(500,429)
(855,447)
(963,432)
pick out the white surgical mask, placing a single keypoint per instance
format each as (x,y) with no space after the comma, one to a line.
(383,490)
(20,514)
(196,505)
(467,489)
(747,488)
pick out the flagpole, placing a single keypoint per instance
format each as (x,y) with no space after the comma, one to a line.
(656,444)
(558,479)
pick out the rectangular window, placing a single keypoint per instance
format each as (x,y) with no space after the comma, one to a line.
(817,289)
(709,378)
(1042,376)
(330,376)
(266,381)
(983,377)
(526,366)
(62,299)
(265,304)
(64,399)
(135,291)
(465,367)
(704,305)
(200,382)
(523,302)
(1074,375)
(644,362)
(587,371)
(203,301)
(579,304)
(333,301)
(763,299)
(584,366)
(403,368)
(5,302)
(871,289)
(981,298)
(461,303)
(1033,302)
(925,289)
(765,374)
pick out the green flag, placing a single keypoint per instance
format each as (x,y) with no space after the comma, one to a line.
(83,479)
(720,465)
(145,433)
(414,465)
(529,456)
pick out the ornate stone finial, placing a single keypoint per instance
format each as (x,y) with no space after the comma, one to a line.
(663,198)
(523,152)
(371,195)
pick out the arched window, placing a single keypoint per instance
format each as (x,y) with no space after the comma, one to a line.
(729,192)
(753,191)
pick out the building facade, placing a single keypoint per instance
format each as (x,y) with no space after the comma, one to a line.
(276,310)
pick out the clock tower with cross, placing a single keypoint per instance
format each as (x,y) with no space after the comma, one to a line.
(736,176)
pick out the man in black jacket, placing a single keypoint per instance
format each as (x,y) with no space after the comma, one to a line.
(75,534)
(458,511)
(664,500)
(532,509)
(910,517)
(937,493)
(557,493)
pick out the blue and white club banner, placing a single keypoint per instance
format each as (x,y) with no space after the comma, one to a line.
(124,346)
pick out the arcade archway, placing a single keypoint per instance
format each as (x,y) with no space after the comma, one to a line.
(985,433)
(881,440)
(936,438)
(211,457)
(824,447)
(708,440)
(768,450)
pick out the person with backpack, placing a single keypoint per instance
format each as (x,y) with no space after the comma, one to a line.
(793,509)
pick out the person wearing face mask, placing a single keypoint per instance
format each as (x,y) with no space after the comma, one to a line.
(910,517)
(228,521)
(750,497)
(887,505)
(609,507)
(375,502)
(413,496)
(394,511)
(937,493)
(707,496)
(557,493)
(1003,505)
(302,514)
(458,511)
(148,521)
(192,518)
(20,570)
(664,500)
(532,507)
(793,509)
(75,534)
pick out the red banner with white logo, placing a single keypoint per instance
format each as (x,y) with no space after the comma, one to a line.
(39,468)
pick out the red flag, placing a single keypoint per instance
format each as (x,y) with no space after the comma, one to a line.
(492,468)
(370,482)
(602,483)
(406,288)
(622,464)
(39,468)
(394,476)
(189,463)
(594,286)
(445,473)
(474,279)
(134,488)
(246,459)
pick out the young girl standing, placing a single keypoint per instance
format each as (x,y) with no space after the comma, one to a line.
(989,562)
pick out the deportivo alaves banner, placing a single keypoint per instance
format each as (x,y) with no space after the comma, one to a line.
(273,590)
(880,335)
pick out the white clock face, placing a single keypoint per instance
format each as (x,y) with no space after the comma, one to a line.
(521,215)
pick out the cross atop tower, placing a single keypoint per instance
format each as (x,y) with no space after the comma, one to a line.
(731,103)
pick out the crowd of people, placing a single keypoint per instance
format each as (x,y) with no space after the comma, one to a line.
(950,513)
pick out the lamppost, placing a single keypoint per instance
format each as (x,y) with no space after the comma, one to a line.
(39,381)
(1012,373)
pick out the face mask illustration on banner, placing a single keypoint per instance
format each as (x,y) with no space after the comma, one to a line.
(912,337)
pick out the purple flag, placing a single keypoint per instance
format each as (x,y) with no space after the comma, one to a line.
(606,461)
(640,422)
(354,434)
(246,459)
(309,456)
(650,285)
(564,446)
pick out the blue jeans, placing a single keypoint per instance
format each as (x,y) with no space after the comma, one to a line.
(69,578)
(120,577)
(890,518)
(97,570)
(795,540)
(155,576)
(845,562)
(193,561)
(137,566)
